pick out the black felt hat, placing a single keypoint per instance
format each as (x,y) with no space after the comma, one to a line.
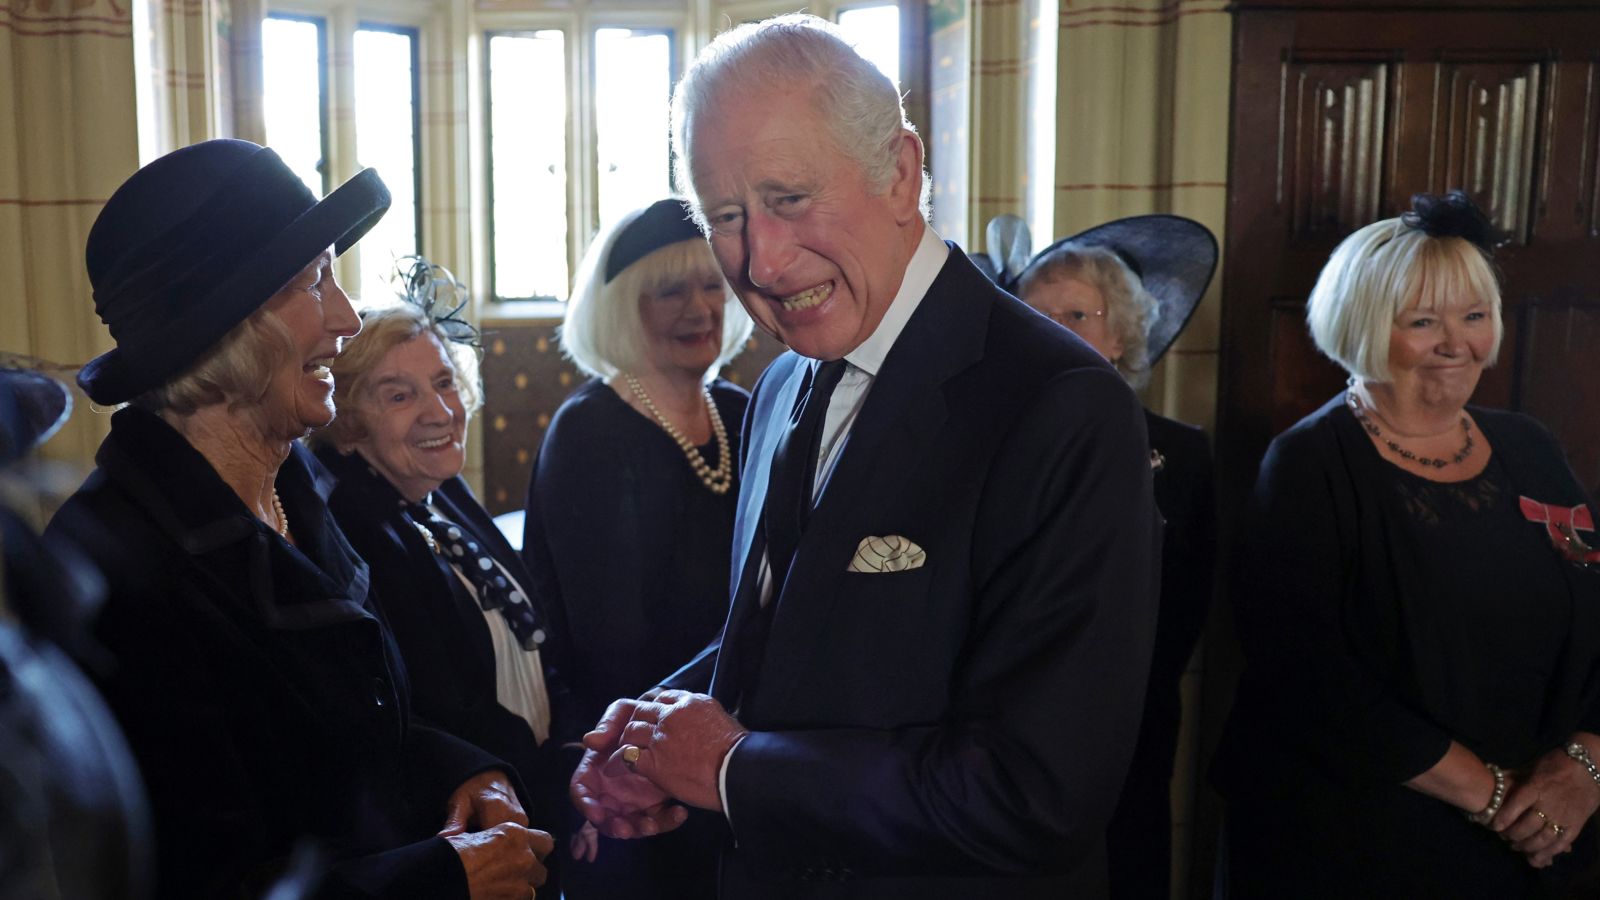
(33,406)
(1175,257)
(193,243)
(662,223)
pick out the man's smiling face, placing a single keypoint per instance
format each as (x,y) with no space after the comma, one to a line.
(814,251)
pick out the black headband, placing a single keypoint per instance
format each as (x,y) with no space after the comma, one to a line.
(662,223)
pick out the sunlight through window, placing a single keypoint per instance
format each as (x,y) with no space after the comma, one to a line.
(875,31)
(633,87)
(291,50)
(527,160)
(386,116)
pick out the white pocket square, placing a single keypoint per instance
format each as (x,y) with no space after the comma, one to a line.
(892,553)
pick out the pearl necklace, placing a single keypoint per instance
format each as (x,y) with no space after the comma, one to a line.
(716,480)
(283,517)
(1360,411)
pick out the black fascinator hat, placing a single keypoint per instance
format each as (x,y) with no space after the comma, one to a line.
(193,243)
(1173,256)
(1453,215)
(434,291)
(33,406)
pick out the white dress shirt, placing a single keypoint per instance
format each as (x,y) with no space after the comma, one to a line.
(862,366)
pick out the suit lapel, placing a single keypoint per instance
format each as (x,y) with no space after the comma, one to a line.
(903,413)
(748,542)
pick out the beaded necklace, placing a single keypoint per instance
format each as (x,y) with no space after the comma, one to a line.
(283,517)
(716,480)
(1360,411)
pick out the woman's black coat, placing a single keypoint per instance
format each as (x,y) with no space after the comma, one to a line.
(264,699)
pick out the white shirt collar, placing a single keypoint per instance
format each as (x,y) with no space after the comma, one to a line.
(924,267)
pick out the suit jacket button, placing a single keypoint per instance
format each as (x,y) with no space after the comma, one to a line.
(380,692)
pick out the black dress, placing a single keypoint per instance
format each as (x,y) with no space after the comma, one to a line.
(1139,838)
(1383,615)
(444,637)
(629,551)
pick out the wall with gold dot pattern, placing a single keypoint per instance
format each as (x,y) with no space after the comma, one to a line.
(525,379)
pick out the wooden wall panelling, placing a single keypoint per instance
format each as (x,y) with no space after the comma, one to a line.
(1341,111)
(1492,121)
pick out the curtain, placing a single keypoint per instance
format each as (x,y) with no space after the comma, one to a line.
(68,137)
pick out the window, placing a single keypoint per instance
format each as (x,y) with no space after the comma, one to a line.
(550,189)
(387,140)
(294,53)
(875,30)
(383,133)
(633,92)
(528,165)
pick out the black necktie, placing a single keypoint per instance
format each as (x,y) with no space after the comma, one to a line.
(495,591)
(794,466)
(787,509)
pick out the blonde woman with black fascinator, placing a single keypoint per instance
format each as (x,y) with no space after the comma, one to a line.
(1418,605)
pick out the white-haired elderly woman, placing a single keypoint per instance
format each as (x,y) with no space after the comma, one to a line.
(1102,284)
(1419,614)
(473,634)
(260,690)
(629,526)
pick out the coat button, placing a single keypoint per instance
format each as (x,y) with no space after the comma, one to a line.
(380,692)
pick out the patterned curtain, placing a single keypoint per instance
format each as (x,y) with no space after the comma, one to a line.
(188,71)
(1141,127)
(68,137)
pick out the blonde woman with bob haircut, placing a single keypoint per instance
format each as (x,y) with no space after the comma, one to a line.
(629,526)
(1419,611)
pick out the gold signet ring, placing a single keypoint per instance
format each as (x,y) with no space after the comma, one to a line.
(630,755)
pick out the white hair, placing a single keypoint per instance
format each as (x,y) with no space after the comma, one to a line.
(1130,310)
(859,103)
(602,333)
(1375,273)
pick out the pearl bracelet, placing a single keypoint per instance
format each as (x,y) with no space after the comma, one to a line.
(1580,753)
(1486,815)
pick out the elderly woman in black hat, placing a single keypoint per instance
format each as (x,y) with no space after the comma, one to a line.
(1419,608)
(475,640)
(262,696)
(1127,288)
(629,525)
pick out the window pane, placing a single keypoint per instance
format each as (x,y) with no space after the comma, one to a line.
(875,30)
(386,111)
(527,165)
(633,90)
(292,61)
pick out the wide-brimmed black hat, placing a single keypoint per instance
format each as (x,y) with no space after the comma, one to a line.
(1175,257)
(195,242)
(33,406)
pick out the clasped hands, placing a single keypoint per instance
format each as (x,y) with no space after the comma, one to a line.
(1559,789)
(487,827)
(644,754)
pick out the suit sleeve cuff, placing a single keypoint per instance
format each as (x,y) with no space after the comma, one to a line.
(722,779)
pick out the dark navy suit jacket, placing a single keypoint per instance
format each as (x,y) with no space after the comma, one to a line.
(961,727)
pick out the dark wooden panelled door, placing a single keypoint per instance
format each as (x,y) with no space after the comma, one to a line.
(1340,113)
